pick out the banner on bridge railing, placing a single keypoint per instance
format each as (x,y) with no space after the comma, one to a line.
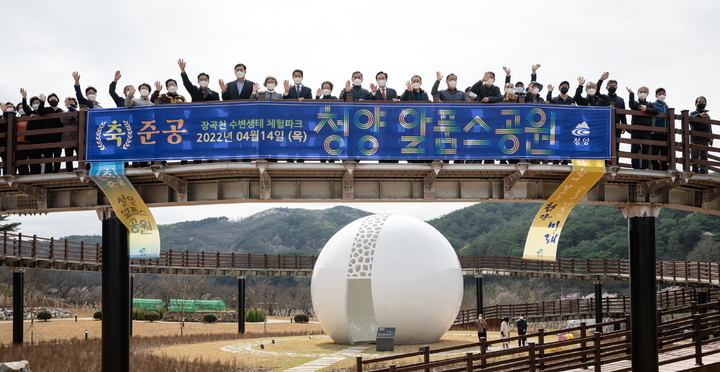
(144,237)
(338,130)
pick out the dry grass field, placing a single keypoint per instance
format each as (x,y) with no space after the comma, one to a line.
(59,346)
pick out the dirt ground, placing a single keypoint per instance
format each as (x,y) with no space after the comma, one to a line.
(66,329)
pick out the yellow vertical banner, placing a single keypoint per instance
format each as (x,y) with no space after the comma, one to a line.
(542,240)
(144,237)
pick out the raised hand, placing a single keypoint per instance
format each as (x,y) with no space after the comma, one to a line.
(76,76)
(223,86)
(507,71)
(535,67)
(373,88)
(319,92)
(42,97)
(131,91)
(182,64)
(286,84)
(256,87)
(23,93)
(550,87)
(409,85)
(158,86)
(486,76)
(439,76)
(605,75)
(581,80)
(118,75)
(629,90)
(67,101)
(347,86)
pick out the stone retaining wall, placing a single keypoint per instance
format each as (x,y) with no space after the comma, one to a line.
(223,316)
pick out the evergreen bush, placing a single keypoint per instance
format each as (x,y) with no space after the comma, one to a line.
(44,315)
(301,318)
(152,316)
(98,315)
(210,318)
(255,315)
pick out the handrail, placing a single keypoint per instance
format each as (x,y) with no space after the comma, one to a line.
(18,246)
(683,129)
(586,350)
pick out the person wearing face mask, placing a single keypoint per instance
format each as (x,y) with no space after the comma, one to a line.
(643,105)
(71,104)
(470,95)
(241,88)
(533,93)
(271,83)
(21,125)
(143,100)
(91,101)
(201,93)
(167,98)
(381,92)
(563,98)
(486,90)
(53,152)
(414,92)
(616,101)
(297,90)
(660,150)
(119,101)
(510,96)
(451,94)
(519,86)
(355,88)
(593,98)
(700,112)
(326,91)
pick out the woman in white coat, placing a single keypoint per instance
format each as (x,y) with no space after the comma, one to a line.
(505,331)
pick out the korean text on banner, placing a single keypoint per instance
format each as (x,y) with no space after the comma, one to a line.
(544,234)
(337,130)
(144,238)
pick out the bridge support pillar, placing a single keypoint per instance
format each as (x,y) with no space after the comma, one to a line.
(643,306)
(241,304)
(115,296)
(479,292)
(18,305)
(702,298)
(598,305)
(132,285)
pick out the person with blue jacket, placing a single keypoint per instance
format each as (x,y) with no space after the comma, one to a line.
(662,107)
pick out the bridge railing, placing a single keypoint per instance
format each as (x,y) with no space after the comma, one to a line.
(227,261)
(678,131)
(586,349)
(610,305)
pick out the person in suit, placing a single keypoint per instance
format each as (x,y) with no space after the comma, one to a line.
(119,101)
(381,92)
(91,92)
(297,91)
(198,94)
(355,88)
(240,88)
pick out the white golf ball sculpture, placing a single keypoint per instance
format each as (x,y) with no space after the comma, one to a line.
(387,270)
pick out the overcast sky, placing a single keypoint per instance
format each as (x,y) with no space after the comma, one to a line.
(660,43)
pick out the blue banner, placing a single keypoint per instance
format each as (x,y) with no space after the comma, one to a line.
(338,130)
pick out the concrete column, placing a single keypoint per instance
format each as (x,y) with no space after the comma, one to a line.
(598,305)
(479,293)
(18,305)
(643,303)
(115,296)
(241,304)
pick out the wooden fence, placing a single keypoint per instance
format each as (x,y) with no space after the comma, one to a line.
(679,127)
(692,330)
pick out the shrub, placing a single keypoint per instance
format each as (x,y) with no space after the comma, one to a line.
(138,313)
(301,318)
(210,318)
(44,315)
(152,316)
(161,311)
(98,315)
(255,315)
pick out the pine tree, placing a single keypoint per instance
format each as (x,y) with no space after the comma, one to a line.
(8,226)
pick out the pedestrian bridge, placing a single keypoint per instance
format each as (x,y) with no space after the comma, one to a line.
(33,252)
